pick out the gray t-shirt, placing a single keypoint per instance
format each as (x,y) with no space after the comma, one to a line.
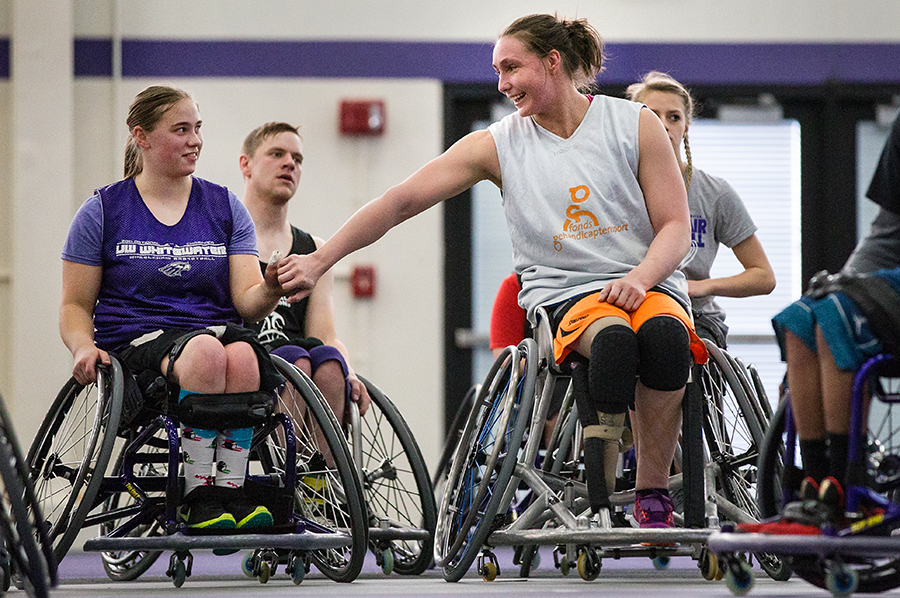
(718,217)
(575,211)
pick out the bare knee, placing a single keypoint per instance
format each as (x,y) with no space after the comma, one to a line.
(201,366)
(304,366)
(329,378)
(797,354)
(242,371)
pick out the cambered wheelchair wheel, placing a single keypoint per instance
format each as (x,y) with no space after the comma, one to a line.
(395,482)
(68,457)
(127,565)
(471,507)
(734,428)
(883,458)
(23,531)
(328,491)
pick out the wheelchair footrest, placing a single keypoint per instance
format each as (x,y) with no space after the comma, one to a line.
(179,541)
(397,533)
(600,537)
(859,546)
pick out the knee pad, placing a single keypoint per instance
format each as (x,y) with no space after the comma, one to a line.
(665,353)
(613,369)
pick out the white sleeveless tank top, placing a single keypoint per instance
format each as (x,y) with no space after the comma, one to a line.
(575,210)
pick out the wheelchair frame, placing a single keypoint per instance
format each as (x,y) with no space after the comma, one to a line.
(155,498)
(474,504)
(863,554)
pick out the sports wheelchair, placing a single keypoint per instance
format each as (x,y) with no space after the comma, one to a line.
(863,554)
(306,477)
(496,458)
(26,556)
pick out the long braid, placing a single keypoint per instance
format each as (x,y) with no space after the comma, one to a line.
(690,166)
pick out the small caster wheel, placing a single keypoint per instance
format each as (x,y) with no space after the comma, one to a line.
(248,564)
(536,559)
(842,581)
(661,563)
(298,570)
(179,573)
(264,572)
(489,571)
(488,567)
(564,566)
(709,565)
(739,578)
(387,561)
(588,568)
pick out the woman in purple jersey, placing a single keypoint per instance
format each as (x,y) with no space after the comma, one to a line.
(156,256)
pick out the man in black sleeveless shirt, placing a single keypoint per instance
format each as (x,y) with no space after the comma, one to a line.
(302,333)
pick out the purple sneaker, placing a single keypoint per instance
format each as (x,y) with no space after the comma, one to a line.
(653,510)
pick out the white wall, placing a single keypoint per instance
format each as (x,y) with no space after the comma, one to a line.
(475,20)
(395,339)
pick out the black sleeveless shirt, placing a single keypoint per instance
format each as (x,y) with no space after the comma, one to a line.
(287,324)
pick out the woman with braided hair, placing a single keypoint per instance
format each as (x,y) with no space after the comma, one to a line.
(718,216)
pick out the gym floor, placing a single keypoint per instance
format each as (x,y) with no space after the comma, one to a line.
(82,576)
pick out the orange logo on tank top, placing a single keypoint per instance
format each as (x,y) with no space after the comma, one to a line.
(581,224)
(573,214)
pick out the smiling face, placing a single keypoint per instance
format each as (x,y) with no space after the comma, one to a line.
(669,107)
(274,168)
(522,75)
(173,146)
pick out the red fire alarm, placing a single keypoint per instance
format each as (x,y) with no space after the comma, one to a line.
(362,117)
(362,282)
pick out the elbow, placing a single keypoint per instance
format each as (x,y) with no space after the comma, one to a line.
(404,209)
(764,282)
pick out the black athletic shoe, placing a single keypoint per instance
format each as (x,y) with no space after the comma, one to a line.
(246,514)
(208,516)
(203,509)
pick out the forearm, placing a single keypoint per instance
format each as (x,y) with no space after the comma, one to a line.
(258,301)
(664,255)
(76,328)
(751,282)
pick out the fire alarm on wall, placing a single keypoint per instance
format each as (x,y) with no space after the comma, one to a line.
(362,117)
(362,282)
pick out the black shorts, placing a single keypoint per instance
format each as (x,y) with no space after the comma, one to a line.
(147,352)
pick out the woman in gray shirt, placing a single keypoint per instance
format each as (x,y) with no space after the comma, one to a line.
(718,216)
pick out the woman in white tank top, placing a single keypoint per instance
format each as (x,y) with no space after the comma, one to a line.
(544,66)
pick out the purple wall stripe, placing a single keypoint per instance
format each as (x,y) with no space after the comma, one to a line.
(4,58)
(709,64)
(93,57)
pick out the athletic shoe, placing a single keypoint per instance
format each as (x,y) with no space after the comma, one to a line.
(248,516)
(653,510)
(208,515)
(807,516)
(779,527)
(831,495)
(809,489)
